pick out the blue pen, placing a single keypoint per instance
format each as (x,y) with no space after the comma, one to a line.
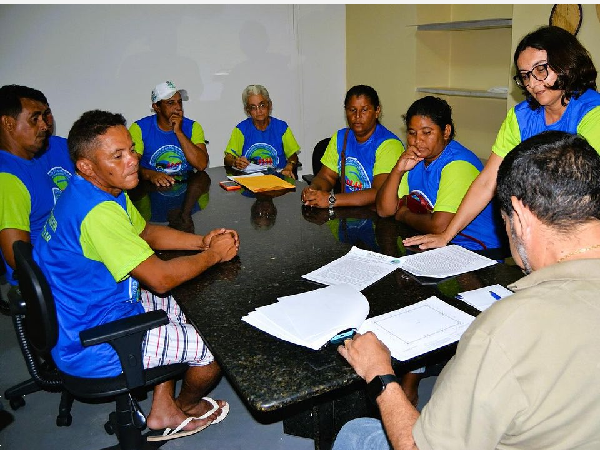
(495,296)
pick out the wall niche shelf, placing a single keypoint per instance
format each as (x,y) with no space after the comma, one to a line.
(485,24)
(462,92)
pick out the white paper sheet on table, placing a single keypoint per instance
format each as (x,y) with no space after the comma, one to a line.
(444,262)
(417,329)
(482,298)
(252,168)
(358,268)
(312,318)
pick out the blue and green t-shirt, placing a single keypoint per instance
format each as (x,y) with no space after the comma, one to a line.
(88,247)
(161,150)
(270,147)
(30,188)
(376,155)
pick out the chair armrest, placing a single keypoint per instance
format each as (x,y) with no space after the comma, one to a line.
(123,327)
(126,336)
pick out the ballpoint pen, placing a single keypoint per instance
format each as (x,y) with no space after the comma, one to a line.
(495,296)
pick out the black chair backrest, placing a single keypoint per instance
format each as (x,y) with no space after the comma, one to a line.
(40,316)
(318,153)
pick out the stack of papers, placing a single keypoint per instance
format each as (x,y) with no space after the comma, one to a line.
(444,262)
(358,268)
(311,319)
(484,297)
(420,328)
(252,168)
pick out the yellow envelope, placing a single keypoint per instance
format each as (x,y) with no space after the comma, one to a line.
(263,183)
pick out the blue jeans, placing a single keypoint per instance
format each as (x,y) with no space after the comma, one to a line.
(362,434)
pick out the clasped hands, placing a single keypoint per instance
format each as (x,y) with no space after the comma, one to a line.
(315,198)
(224,242)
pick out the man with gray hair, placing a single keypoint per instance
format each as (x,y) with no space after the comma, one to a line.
(525,373)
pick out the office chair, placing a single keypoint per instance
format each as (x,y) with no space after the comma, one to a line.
(318,153)
(40,332)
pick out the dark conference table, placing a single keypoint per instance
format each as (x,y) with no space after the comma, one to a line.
(313,392)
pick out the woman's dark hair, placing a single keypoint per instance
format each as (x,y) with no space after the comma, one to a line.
(555,175)
(566,57)
(362,89)
(438,110)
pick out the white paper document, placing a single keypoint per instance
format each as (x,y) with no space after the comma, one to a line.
(484,297)
(312,318)
(358,268)
(444,262)
(252,168)
(419,328)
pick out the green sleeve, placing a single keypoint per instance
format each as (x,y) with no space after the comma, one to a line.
(236,143)
(331,157)
(290,146)
(456,178)
(387,155)
(197,134)
(403,186)
(589,128)
(509,135)
(15,203)
(109,235)
(136,136)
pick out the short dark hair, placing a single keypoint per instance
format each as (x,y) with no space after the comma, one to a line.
(11,95)
(566,56)
(554,174)
(83,136)
(362,89)
(437,109)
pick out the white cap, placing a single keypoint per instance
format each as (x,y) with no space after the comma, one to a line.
(167,90)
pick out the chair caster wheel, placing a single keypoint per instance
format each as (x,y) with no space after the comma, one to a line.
(64,421)
(16,403)
(109,428)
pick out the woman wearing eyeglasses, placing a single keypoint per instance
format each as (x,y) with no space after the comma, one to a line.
(558,78)
(360,156)
(261,139)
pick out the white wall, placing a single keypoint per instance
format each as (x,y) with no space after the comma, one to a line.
(111,56)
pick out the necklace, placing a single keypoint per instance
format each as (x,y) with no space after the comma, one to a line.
(577,252)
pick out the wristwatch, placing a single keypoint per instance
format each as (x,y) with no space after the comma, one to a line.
(332,200)
(378,384)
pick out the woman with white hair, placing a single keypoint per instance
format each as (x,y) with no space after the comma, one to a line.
(261,138)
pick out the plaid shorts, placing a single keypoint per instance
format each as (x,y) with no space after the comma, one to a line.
(176,342)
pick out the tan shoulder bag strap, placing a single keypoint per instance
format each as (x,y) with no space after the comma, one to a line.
(343,162)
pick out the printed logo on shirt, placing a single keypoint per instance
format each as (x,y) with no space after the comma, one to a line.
(60,177)
(168,159)
(134,290)
(357,178)
(262,154)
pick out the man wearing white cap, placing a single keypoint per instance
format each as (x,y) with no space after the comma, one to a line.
(171,145)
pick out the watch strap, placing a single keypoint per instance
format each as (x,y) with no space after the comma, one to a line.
(378,384)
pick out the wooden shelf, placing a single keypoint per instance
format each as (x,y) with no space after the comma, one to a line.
(462,92)
(466,25)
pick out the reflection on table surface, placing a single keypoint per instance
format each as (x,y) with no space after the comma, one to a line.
(281,240)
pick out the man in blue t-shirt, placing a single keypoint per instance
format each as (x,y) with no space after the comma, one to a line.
(170,144)
(34,168)
(114,273)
